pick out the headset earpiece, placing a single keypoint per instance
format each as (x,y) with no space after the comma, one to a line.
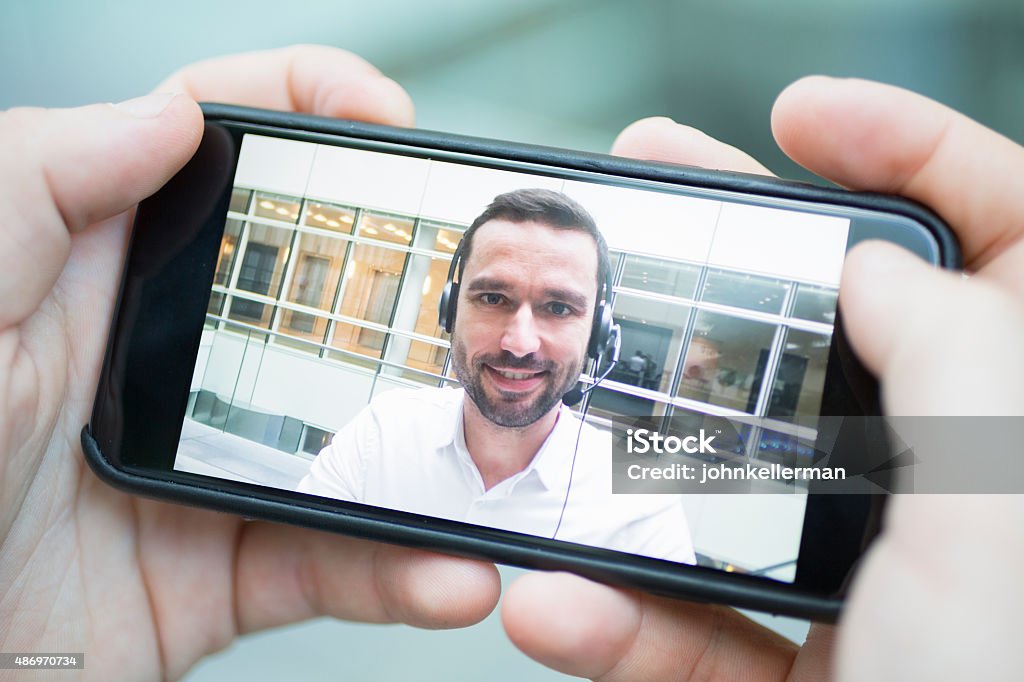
(601,331)
(448,303)
(446,306)
(601,337)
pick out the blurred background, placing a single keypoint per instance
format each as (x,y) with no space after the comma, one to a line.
(568,73)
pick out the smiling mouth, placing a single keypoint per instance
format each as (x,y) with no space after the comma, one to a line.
(515,380)
(516,375)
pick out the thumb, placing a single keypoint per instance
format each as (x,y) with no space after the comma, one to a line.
(68,168)
(941,344)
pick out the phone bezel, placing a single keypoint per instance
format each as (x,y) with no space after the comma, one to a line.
(162,305)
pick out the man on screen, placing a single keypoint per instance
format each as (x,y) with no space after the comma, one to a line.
(503,451)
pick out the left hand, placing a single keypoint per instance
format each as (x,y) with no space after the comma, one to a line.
(145,588)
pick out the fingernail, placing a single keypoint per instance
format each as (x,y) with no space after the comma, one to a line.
(148,106)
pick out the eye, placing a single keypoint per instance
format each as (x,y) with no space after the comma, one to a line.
(491,299)
(560,309)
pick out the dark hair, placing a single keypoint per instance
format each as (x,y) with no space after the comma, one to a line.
(547,207)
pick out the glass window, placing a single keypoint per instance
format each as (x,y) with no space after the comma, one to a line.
(725,361)
(276,207)
(416,311)
(214,307)
(800,378)
(732,437)
(443,238)
(260,272)
(318,263)
(430,292)
(226,255)
(384,227)
(817,304)
(652,336)
(426,357)
(613,260)
(745,291)
(370,285)
(328,217)
(305,342)
(660,276)
(314,440)
(426,277)
(370,290)
(785,449)
(609,403)
(357,341)
(239,200)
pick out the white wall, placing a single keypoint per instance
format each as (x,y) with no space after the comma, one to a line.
(366,179)
(782,243)
(749,530)
(281,380)
(460,193)
(769,241)
(663,225)
(275,165)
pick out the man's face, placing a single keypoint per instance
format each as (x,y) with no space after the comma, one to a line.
(526,304)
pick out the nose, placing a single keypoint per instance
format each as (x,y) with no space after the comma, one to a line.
(521,335)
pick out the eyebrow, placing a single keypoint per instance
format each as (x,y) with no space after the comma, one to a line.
(488,284)
(569,296)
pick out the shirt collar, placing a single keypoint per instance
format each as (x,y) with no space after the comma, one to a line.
(553,461)
(452,431)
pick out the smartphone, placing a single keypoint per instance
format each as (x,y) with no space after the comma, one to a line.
(441,341)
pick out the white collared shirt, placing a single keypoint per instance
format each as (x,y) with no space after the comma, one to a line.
(406,450)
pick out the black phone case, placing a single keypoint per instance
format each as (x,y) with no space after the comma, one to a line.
(659,577)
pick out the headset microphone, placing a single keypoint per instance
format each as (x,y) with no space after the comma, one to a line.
(575,395)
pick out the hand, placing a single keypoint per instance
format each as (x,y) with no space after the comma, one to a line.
(933,599)
(145,588)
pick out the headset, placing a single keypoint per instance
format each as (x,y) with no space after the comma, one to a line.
(605,336)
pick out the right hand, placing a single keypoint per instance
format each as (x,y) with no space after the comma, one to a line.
(937,596)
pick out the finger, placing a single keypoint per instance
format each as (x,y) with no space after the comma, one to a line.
(870,136)
(1005,269)
(916,325)
(926,604)
(589,630)
(210,577)
(662,139)
(285,575)
(66,169)
(313,79)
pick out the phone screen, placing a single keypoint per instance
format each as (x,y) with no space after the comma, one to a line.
(324,368)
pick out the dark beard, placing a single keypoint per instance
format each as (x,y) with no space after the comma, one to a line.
(506,412)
